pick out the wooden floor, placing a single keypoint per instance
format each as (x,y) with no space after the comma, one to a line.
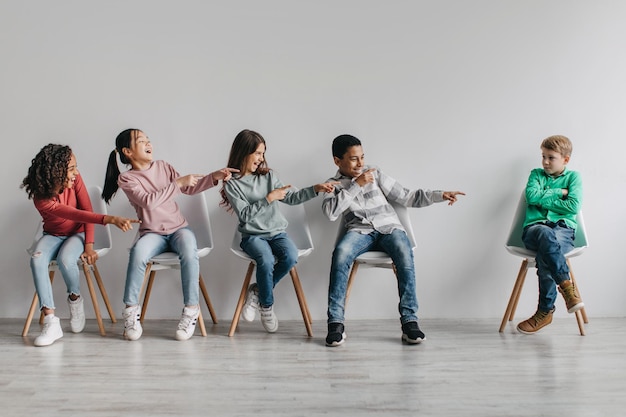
(464,368)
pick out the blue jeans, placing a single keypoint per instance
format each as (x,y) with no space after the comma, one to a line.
(551,241)
(66,250)
(182,242)
(274,257)
(352,245)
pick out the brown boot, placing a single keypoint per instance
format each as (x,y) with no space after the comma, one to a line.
(537,322)
(572,301)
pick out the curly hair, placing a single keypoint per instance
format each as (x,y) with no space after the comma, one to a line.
(48,172)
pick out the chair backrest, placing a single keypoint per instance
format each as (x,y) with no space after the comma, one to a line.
(514,239)
(403,216)
(195,210)
(298,230)
(102,233)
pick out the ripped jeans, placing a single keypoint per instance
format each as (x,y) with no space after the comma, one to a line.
(66,250)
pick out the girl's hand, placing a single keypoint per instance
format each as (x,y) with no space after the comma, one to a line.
(451,196)
(89,255)
(188,180)
(278,193)
(327,187)
(122,223)
(224,174)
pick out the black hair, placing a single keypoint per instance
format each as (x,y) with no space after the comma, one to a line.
(48,172)
(123,140)
(341,144)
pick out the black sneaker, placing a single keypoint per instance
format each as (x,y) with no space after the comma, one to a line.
(336,334)
(411,333)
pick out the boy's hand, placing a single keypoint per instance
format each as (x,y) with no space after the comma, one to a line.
(565,193)
(277,193)
(366,177)
(327,187)
(451,196)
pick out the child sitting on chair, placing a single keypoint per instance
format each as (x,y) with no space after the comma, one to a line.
(362,197)
(554,197)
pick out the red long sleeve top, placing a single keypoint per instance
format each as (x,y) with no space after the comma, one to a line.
(70,212)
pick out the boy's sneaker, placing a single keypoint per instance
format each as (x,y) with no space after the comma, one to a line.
(252,303)
(412,334)
(187,323)
(573,302)
(537,322)
(77,314)
(51,331)
(336,334)
(268,319)
(132,325)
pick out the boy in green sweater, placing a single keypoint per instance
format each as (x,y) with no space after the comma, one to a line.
(554,197)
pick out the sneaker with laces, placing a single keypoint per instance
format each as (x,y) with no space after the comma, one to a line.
(187,323)
(412,334)
(268,319)
(573,302)
(537,322)
(51,331)
(77,314)
(252,303)
(132,325)
(336,334)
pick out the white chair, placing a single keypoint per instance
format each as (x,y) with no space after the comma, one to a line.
(377,259)
(102,245)
(195,210)
(515,246)
(299,232)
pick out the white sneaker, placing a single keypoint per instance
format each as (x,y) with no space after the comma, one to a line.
(51,331)
(187,323)
(132,325)
(268,319)
(252,303)
(77,314)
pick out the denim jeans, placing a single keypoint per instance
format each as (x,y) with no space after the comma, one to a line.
(274,257)
(352,245)
(66,250)
(182,242)
(551,241)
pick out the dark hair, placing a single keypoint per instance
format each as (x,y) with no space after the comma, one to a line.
(123,140)
(341,144)
(48,172)
(246,143)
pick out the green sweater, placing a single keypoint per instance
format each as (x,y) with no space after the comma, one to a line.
(544,195)
(246,196)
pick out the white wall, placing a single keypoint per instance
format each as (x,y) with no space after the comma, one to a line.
(446,94)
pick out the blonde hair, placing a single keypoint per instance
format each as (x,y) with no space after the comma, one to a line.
(558,143)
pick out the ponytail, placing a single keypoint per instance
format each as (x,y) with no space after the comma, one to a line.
(110,178)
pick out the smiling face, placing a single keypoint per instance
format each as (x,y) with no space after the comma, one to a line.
(140,152)
(252,161)
(352,162)
(553,162)
(72,172)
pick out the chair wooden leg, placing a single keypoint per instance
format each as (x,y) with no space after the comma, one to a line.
(515,294)
(582,310)
(201,323)
(31,313)
(355,267)
(209,305)
(103,292)
(94,299)
(242,298)
(146,297)
(306,315)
